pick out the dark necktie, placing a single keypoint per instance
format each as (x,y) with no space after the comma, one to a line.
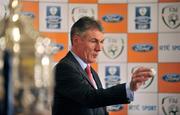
(88,71)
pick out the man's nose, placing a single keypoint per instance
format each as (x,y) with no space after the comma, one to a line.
(99,46)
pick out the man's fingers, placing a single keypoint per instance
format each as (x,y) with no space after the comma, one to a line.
(144,74)
(141,69)
(139,79)
(140,76)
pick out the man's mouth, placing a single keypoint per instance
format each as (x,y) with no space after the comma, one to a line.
(95,55)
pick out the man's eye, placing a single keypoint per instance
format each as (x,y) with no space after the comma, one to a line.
(102,41)
(93,41)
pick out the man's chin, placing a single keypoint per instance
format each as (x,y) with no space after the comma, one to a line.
(93,61)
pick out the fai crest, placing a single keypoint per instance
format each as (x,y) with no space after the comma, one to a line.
(113,47)
(170,105)
(79,12)
(171,16)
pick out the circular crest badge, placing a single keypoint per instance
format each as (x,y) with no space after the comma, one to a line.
(113,47)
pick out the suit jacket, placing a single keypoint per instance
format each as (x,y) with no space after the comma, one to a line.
(75,95)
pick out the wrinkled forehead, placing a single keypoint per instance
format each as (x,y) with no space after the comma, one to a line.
(93,33)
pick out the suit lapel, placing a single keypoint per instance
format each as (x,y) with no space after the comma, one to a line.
(75,63)
(96,78)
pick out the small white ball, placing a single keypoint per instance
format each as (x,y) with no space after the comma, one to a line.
(153,71)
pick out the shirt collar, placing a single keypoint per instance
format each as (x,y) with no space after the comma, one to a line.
(81,62)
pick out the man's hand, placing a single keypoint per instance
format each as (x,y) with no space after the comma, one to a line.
(140,76)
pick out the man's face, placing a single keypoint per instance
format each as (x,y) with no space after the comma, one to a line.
(88,45)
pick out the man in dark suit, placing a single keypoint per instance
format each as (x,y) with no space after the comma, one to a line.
(77,94)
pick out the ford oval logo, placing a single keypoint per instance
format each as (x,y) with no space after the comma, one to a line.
(30,14)
(113,18)
(171,77)
(142,47)
(56,47)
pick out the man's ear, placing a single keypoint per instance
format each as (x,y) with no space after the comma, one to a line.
(75,39)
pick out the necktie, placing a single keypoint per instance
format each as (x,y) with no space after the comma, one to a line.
(88,71)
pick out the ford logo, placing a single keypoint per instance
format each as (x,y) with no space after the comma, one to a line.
(142,47)
(56,47)
(171,77)
(30,14)
(113,18)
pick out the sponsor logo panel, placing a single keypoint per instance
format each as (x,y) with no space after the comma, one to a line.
(113,17)
(144,104)
(115,48)
(53,17)
(112,74)
(151,84)
(142,18)
(169,78)
(142,47)
(168,51)
(169,104)
(121,72)
(169,47)
(169,18)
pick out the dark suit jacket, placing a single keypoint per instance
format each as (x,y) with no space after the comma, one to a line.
(75,95)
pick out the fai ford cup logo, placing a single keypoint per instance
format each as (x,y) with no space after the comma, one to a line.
(79,12)
(113,47)
(143,18)
(171,16)
(53,19)
(170,105)
(112,76)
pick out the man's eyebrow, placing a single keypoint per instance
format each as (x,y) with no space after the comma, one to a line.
(94,39)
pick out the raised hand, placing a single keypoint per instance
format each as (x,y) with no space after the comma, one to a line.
(140,76)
